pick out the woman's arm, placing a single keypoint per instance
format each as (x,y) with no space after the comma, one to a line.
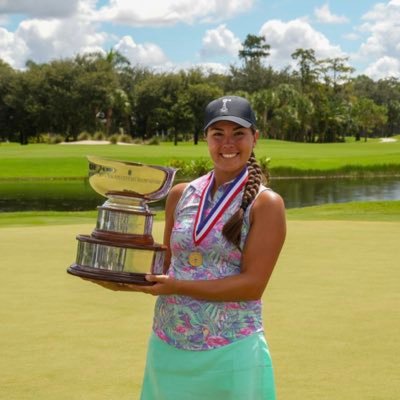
(172,200)
(263,245)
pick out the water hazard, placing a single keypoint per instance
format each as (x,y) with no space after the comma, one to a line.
(77,195)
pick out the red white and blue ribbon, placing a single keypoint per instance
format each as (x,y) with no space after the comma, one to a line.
(203,225)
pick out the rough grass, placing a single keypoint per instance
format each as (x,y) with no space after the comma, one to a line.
(331,316)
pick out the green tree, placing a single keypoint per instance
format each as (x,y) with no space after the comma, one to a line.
(7,113)
(308,67)
(154,99)
(98,86)
(264,102)
(336,72)
(61,96)
(197,96)
(387,92)
(368,116)
(253,75)
(290,113)
(28,101)
(254,49)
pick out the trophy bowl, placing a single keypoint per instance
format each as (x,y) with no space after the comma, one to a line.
(121,248)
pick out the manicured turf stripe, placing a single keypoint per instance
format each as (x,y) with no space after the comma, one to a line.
(331,315)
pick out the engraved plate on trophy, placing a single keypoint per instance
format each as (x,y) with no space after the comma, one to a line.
(121,248)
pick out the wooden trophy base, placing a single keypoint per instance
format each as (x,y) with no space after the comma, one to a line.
(108,276)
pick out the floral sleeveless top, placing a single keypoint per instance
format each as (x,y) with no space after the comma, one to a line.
(192,324)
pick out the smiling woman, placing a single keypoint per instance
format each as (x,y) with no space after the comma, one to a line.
(224,232)
(230,137)
(230,146)
(219,263)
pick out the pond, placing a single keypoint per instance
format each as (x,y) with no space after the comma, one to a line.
(309,192)
(77,195)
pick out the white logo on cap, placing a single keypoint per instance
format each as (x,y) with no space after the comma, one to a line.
(224,107)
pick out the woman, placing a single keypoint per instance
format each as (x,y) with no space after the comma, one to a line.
(224,233)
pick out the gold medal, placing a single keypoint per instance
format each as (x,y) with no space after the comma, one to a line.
(195,259)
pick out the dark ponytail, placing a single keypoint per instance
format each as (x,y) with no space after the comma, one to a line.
(233,227)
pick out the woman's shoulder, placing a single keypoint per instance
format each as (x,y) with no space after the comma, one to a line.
(267,202)
(195,185)
(200,182)
(176,192)
(182,191)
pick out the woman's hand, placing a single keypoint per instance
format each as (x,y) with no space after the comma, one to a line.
(163,285)
(114,286)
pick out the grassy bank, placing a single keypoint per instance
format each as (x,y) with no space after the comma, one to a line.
(356,211)
(287,158)
(330,313)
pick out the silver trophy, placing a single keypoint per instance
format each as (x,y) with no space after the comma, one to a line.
(121,248)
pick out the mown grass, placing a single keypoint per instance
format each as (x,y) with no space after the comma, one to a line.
(330,309)
(348,170)
(46,218)
(330,314)
(354,211)
(287,158)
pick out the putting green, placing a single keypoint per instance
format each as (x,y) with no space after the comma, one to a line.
(331,315)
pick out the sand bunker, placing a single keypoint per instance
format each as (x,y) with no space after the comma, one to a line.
(388,140)
(101,142)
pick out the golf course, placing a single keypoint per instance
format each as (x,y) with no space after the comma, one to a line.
(330,310)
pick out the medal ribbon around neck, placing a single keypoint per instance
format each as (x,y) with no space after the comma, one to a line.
(202,226)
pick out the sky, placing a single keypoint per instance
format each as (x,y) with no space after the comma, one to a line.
(179,34)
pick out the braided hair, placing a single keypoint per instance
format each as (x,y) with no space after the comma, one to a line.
(233,227)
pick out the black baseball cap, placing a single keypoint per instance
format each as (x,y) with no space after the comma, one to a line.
(230,108)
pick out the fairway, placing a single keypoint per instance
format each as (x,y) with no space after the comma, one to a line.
(331,316)
(44,161)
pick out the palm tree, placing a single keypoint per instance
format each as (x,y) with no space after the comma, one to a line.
(264,102)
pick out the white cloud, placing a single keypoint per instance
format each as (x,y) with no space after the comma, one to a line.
(43,40)
(12,48)
(380,11)
(170,12)
(324,15)
(220,41)
(147,54)
(382,44)
(285,37)
(206,67)
(383,68)
(48,37)
(40,8)
(373,47)
(214,67)
(382,24)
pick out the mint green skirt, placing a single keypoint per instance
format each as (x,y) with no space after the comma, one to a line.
(239,371)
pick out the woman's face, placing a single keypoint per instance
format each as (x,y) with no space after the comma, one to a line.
(230,146)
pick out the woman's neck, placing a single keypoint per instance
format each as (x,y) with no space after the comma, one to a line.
(222,177)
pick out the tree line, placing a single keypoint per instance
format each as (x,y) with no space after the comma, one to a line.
(318,101)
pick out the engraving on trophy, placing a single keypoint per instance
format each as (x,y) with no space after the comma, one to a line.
(121,248)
